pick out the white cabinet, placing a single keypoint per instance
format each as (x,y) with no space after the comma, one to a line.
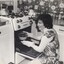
(6,44)
(60,31)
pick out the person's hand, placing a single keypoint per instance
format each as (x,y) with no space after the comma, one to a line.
(28,34)
(27,43)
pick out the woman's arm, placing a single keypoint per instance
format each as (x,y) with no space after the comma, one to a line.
(33,36)
(36,38)
(44,42)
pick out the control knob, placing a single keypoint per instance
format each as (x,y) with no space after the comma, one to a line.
(19,26)
(18,21)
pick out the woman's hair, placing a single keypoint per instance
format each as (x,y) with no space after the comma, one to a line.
(46,19)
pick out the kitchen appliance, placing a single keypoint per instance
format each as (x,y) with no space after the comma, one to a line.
(21,25)
(6,40)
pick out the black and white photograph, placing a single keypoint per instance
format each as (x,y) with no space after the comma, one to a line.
(31,31)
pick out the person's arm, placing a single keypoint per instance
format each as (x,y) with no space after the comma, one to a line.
(36,38)
(32,36)
(44,42)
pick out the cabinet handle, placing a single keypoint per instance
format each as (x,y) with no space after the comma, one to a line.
(0,32)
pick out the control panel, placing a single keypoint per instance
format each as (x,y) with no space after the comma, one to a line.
(21,22)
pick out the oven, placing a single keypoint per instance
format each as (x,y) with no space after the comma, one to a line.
(20,25)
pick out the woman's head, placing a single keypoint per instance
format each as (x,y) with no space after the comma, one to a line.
(44,21)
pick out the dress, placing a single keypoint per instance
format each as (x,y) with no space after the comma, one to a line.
(51,51)
(50,54)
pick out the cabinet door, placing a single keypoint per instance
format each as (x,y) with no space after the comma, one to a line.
(6,44)
(61,40)
(60,31)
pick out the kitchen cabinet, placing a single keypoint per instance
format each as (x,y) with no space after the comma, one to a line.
(60,31)
(6,42)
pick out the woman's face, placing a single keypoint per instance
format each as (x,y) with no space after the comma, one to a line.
(40,25)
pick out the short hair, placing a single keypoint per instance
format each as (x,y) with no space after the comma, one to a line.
(46,19)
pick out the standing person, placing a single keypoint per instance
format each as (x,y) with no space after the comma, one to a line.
(49,44)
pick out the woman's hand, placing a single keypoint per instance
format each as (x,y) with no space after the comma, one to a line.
(37,38)
(28,34)
(27,43)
